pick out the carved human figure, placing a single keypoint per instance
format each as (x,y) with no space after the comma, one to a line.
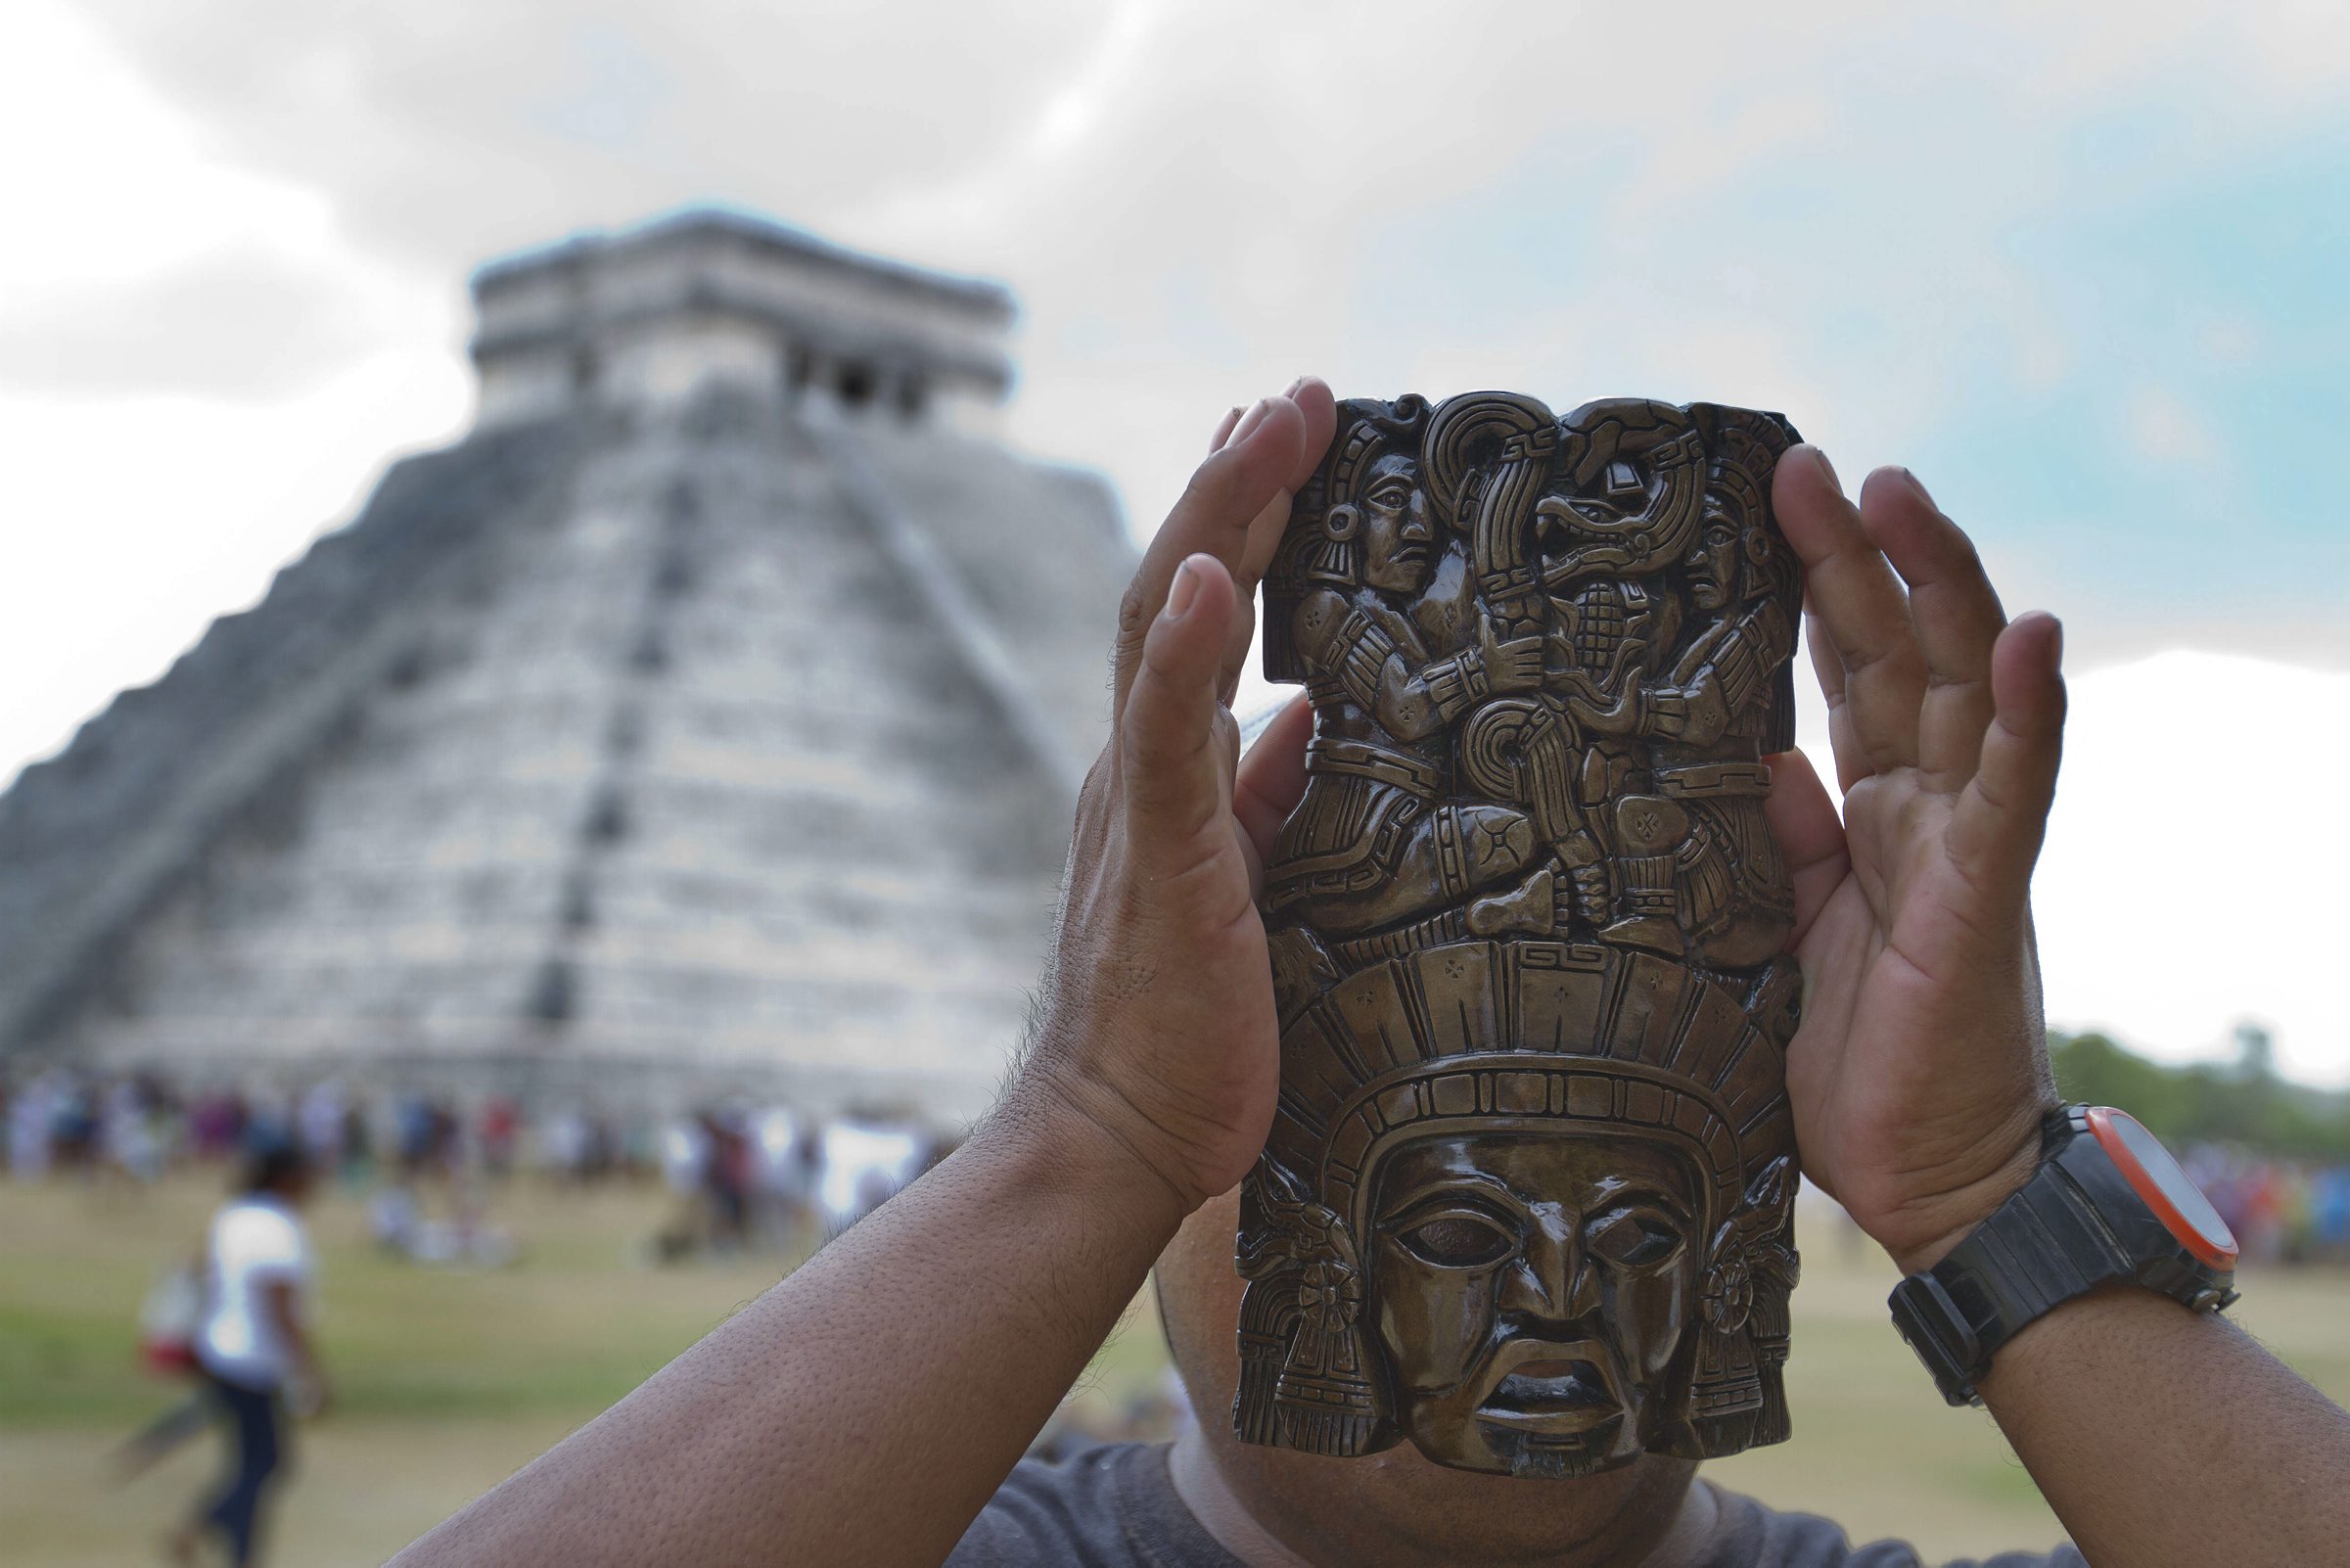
(1393,650)
(1584,569)
(1698,871)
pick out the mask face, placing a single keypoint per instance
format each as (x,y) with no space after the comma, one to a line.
(1533,1292)
(1524,1203)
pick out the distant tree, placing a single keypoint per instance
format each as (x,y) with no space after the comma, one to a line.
(2243,1103)
(2255,1052)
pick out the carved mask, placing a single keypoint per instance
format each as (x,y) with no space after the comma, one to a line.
(1527,1197)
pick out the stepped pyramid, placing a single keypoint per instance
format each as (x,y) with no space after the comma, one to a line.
(708,718)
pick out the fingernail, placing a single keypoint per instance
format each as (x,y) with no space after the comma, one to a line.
(1291,391)
(1827,470)
(1181,591)
(1223,429)
(1919,485)
(2056,647)
(1249,420)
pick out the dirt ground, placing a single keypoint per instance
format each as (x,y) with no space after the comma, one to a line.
(448,1380)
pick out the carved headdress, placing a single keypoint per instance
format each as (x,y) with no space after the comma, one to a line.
(1613,1044)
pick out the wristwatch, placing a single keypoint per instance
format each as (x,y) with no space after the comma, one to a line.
(2108,1203)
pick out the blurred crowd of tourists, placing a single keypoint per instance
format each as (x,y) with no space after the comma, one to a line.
(743,1173)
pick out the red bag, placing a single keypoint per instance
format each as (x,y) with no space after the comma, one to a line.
(169,1320)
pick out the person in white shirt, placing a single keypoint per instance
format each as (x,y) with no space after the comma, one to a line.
(255,1348)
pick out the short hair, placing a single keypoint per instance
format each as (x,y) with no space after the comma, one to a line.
(272,1165)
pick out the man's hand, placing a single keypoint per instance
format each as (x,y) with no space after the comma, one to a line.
(1157,1030)
(1920,1072)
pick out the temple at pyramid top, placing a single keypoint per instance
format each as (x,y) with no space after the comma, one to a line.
(706,719)
(656,313)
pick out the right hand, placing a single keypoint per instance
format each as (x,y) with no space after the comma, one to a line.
(1157,1036)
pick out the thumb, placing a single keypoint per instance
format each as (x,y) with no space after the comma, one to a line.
(1177,770)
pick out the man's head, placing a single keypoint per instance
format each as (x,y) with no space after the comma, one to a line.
(276,1168)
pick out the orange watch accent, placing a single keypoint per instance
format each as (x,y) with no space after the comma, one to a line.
(2105,1125)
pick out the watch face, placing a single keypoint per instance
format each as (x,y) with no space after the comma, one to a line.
(2175,1201)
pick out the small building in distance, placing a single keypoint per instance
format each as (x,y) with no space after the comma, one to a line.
(708,719)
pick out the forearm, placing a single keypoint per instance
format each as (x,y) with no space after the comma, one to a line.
(867,1407)
(287,1318)
(2165,1438)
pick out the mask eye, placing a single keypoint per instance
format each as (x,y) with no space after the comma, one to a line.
(1635,1239)
(1393,496)
(1457,1240)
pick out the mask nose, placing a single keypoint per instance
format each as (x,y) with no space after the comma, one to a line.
(1554,1279)
(1417,524)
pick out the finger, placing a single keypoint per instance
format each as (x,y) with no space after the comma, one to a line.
(1320,413)
(1223,431)
(1852,762)
(1272,775)
(2001,815)
(1230,498)
(1175,771)
(1314,402)
(1956,617)
(1804,821)
(1856,598)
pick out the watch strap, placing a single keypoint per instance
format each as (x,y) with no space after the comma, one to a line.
(2075,1226)
(2045,1245)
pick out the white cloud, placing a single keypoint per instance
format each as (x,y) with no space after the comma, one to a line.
(109,182)
(2193,870)
(128,534)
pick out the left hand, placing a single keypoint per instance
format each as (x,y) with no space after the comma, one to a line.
(1920,1072)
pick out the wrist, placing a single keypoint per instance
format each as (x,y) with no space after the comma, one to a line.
(1927,1231)
(1069,1131)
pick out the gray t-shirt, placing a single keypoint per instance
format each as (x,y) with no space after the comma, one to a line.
(1114,1508)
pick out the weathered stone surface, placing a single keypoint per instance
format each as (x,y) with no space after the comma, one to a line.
(608,743)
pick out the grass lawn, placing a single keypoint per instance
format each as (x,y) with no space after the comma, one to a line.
(448,1380)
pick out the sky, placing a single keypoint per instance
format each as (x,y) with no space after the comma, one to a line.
(2080,266)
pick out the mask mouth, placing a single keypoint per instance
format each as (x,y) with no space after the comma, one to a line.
(1556,1390)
